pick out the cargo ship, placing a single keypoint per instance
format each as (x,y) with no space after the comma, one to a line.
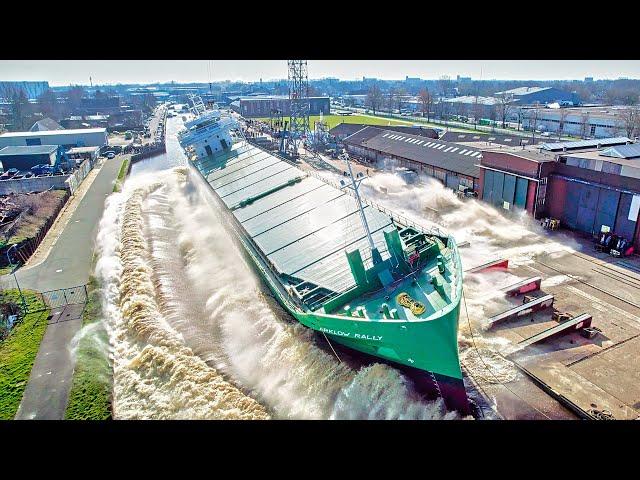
(339,264)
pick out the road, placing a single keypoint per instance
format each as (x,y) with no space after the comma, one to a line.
(67,265)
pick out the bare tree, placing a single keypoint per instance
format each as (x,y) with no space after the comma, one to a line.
(477,111)
(444,85)
(504,107)
(425,102)
(375,98)
(629,120)
(18,104)
(48,104)
(563,115)
(531,115)
(584,124)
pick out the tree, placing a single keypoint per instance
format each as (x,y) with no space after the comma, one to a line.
(74,96)
(425,102)
(375,98)
(476,111)
(18,105)
(444,85)
(630,121)
(532,117)
(48,104)
(504,107)
(563,115)
(584,124)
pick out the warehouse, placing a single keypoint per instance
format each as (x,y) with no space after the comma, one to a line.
(585,122)
(483,140)
(263,106)
(540,95)
(343,130)
(454,165)
(86,137)
(587,185)
(23,158)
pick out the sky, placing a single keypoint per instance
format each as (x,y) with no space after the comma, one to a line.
(67,72)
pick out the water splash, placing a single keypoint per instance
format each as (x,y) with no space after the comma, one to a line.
(155,374)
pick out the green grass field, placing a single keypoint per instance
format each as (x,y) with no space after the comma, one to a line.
(90,395)
(333,120)
(18,353)
(121,174)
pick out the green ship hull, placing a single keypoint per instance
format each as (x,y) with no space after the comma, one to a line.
(400,303)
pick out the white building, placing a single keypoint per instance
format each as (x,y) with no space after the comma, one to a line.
(592,122)
(84,137)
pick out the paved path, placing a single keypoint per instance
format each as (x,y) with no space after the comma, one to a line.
(67,265)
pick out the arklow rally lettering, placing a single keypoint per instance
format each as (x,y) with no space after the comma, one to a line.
(360,336)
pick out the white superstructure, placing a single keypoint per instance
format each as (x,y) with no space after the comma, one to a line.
(208,133)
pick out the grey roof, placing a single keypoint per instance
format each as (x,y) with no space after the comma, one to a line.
(363,134)
(523,91)
(28,150)
(75,131)
(448,156)
(471,100)
(44,125)
(622,151)
(509,140)
(603,142)
(345,129)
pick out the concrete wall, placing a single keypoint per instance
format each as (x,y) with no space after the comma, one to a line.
(40,184)
(37,184)
(74,181)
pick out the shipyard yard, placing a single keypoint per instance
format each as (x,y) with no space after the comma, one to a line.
(230,355)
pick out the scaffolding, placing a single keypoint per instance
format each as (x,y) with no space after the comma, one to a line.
(299,104)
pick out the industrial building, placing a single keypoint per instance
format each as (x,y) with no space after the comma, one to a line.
(484,140)
(31,89)
(88,137)
(591,122)
(587,185)
(23,158)
(472,106)
(45,124)
(540,95)
(343,130)
(263,106)
(452,164)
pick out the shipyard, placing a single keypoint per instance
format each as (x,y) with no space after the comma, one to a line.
(317,248)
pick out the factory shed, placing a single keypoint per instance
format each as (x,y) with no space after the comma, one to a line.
(589,186)
(454,165)
(83,137)
(23,158)
(483,140)
(343,130)
(45,124)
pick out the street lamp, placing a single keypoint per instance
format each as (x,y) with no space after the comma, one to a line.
(13,271)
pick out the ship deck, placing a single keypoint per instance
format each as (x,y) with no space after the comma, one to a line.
(301,225)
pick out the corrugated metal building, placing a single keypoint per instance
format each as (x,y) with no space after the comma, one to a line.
(23,158)
(583,186)
(343,130)
(84,137)
(262,106)
(452,164)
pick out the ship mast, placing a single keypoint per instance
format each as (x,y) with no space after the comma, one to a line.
(355,185)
